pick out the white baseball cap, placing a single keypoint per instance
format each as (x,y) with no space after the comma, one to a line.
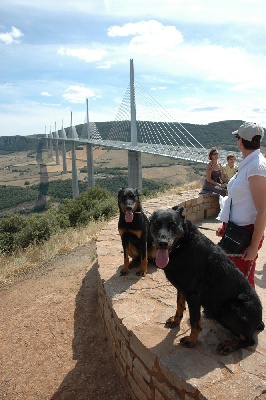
(248,130)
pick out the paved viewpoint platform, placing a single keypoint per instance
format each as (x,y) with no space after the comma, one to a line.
(152,362)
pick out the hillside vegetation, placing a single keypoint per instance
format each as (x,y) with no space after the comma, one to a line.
(27,242)
(17,232)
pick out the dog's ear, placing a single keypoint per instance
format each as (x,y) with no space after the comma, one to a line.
(137,191)
(120,191)
(179,210)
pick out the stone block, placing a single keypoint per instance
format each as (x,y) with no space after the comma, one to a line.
(187,204)
(142,370)
(189,212)
(122,367)
(211,213)
(143,384)
(158,395)
(137,392)
(203,206)
(200,200)
(127,354)
(200,215)
(143,353)
(168,392)
(193,217)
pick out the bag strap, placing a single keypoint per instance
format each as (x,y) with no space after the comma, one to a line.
(231,202)
(230,209)
(249,268)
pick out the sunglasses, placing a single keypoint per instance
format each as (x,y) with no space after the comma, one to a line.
(237,137)
(215,154)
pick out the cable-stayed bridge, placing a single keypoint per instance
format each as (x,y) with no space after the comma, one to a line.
(157,131)
(141,125)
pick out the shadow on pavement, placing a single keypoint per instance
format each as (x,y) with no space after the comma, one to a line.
(94,375)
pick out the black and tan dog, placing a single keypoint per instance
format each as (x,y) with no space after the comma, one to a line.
(204,276)
(133,226)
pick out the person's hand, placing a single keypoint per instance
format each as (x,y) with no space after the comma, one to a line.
(224,185)
(219,232)
(250,253)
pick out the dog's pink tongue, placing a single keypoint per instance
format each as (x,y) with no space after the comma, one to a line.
(129,216)
(162,258)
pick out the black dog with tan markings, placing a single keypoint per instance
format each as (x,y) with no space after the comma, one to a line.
(133,227)
(204,276)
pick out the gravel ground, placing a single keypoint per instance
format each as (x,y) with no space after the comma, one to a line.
(53,344)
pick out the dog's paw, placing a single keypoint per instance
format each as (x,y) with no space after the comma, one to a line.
(261,326)
(123,272)
(141,273)
(172,322)
(226,347)
(187,341)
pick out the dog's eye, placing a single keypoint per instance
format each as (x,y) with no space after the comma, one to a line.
(173,225)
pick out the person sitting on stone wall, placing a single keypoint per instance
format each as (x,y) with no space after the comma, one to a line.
(215,182)
(230,169)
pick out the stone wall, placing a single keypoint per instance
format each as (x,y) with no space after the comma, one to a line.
(142,369)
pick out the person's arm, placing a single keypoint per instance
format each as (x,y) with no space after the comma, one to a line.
(224,175)
(257,186)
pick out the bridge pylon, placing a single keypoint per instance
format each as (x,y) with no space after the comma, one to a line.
(89,151)
(134,157)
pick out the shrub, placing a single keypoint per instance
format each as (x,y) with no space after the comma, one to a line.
(10,226)
(72,209)
(92,204)
(38,229)
(18,232)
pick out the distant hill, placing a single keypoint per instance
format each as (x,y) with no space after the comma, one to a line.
(213,134)
(11,144)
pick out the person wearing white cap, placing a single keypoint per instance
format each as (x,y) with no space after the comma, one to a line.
(246,200)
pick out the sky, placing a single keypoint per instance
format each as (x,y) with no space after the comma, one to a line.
(202,60)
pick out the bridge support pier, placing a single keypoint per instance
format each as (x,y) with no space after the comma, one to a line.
(75,188)
(90,167)
(64,157)
(134,169)
(57,153)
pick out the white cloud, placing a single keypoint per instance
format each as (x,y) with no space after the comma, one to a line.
(165,49)
(190,100)
(46,94)
(158,88)
(12,36)
(149,36)
(87,55)
(105,65)
(78,94)
(210,11)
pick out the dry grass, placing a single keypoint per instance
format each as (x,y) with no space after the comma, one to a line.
(187,186)
(179,189)
(11,267)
